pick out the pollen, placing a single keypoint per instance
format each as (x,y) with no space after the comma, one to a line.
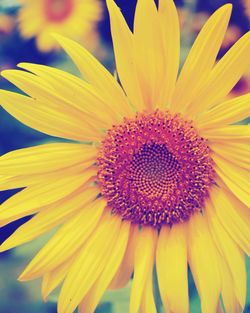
(155,169)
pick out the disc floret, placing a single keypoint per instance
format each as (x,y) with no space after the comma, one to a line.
(155,169)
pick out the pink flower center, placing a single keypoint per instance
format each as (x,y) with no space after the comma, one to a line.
(58,10)
(155,169)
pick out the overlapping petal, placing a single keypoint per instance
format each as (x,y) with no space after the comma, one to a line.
(46,158)
(200,60)
(234,217)
(227,112)
(206,274)
(89,264)
(235,178)
(229,134)
(225,74)
(171,44)
(41,90)
(124,55)
(92,299)
(171,264)
(52,279)
(67,240)
(148,52)
(97,75)
(46,117)
(238,154)
(144,258)
(126,268)
(38,197)
(231,253)
(80,94)
(50,217)
(148,300)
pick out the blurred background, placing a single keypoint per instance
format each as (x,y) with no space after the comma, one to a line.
(25,26)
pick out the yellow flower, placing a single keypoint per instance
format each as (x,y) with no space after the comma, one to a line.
(157,173)
(71,18)
(242,87)
(7,24)
(247,7)
(232,35)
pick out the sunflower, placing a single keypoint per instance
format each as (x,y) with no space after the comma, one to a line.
(246,4)
(71,18)
(7,24)
(154,173)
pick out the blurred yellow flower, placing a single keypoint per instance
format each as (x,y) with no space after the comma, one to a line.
(157,174)
(232,35)
(242,87)
(247,7)
(7,24)
(72,18)
(183,15)
(199,21)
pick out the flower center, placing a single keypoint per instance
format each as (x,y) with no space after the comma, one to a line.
(155,169)
(58,10)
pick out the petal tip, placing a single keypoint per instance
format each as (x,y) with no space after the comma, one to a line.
(44,296)
(21,64)
(3,248)
(4,72)
(228,7)
(23,277)
(226,10)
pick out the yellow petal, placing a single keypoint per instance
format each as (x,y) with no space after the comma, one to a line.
(235,133)
(171,42)
(233,216)
(148,302)
(144,258)
(52,279)
(242,209)
(171,265)
(37,197)
(124,273)
(227,112)
(230,300)
(91,301)
(232,255)
(235,178)
(77,92)
(238,175)
(67,240)
(148,51)
(206,274)
(41,90)
(90,264)
(124,57)
(238,154)
(39,116)
(226,73)
(97,75)
(201,59)
(45,158)
(50,217)
(14,182)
